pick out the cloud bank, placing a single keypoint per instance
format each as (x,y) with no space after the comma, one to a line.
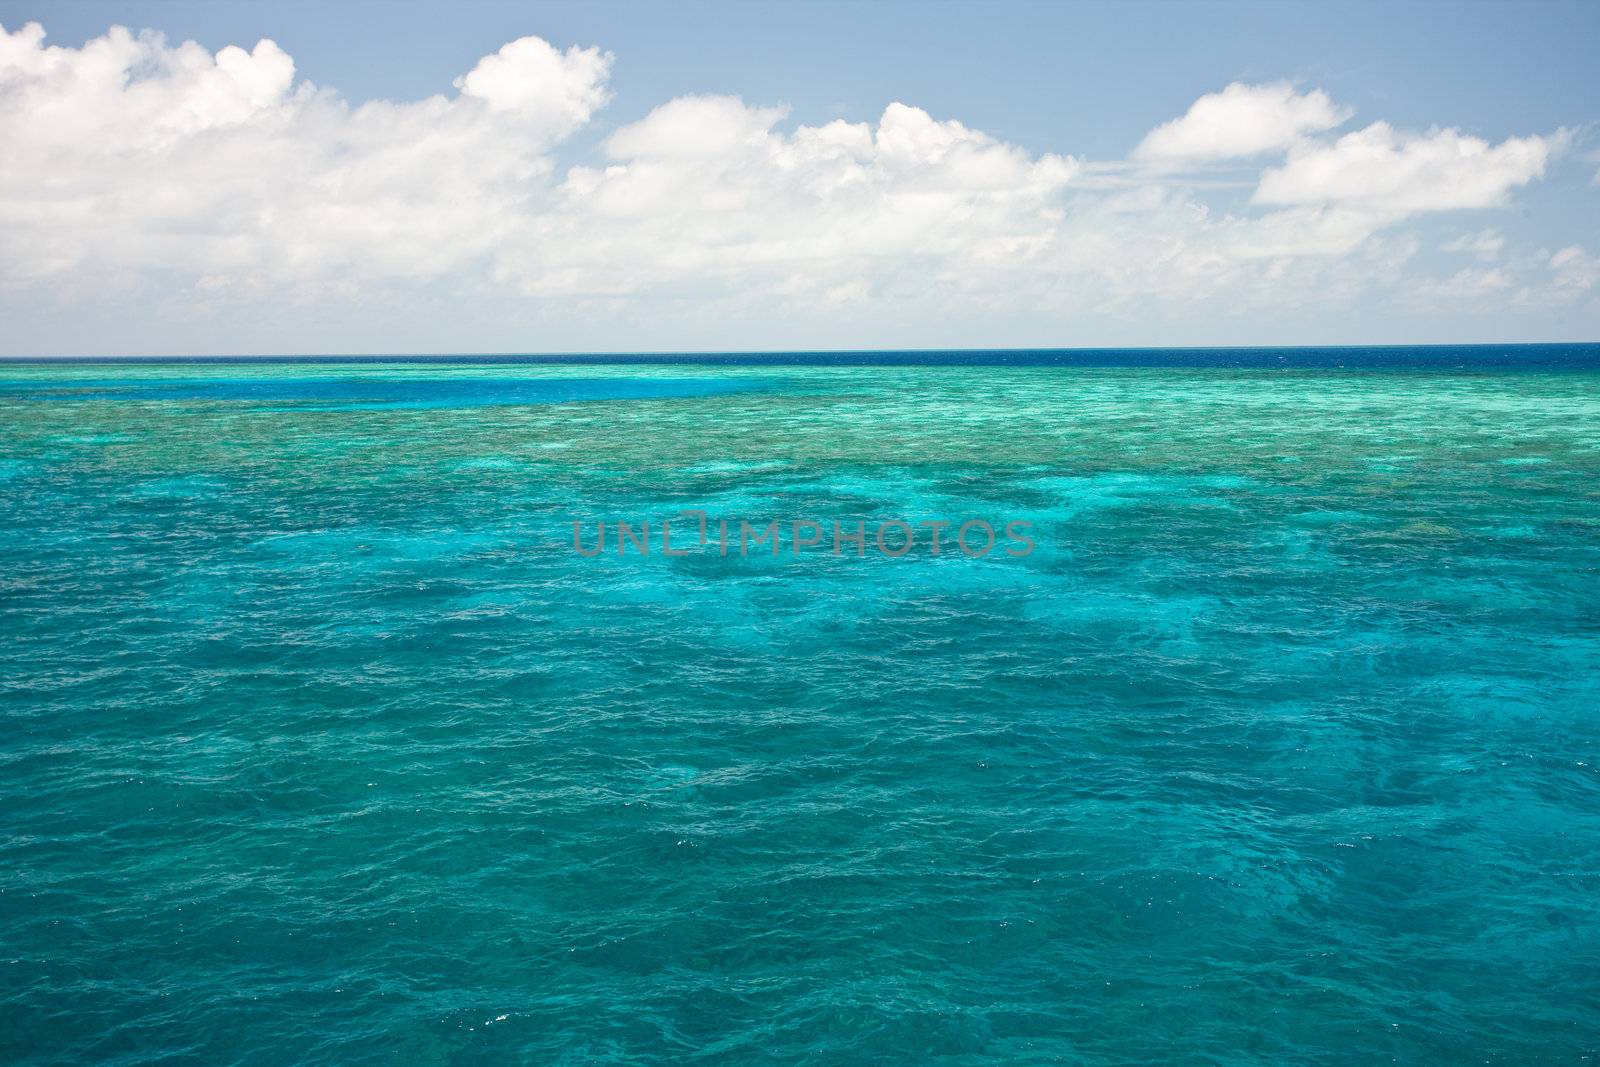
(205,181)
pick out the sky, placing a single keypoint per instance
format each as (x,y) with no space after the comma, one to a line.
(240,178)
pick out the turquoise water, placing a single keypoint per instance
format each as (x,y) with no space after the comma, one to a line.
(319,743)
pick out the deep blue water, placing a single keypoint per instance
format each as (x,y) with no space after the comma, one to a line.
(1556,356)
(320,743)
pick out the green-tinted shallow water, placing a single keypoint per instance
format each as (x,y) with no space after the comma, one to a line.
(319,743)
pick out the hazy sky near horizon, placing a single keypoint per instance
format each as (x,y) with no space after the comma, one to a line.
(238,178)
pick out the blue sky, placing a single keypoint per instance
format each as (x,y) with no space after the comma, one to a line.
(599,230)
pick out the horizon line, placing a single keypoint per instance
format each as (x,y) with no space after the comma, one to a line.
(670,354)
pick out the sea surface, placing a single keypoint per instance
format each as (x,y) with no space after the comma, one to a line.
(320,742)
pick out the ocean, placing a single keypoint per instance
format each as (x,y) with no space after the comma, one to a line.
(1246,712)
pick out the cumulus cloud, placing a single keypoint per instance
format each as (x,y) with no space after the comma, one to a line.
(1239,122)
(129,155)
(1383,168)
(558,90)
(709,185)
(135,156)
(217,180)
(696,127)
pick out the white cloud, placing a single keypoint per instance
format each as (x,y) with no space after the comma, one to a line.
(1576,271)
(559,90)
(202,182)
(122,93)
(696,127)
(708,186)
(1239,122)
(1485,244)
(1385,169)
(1470,285)
(129,156)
